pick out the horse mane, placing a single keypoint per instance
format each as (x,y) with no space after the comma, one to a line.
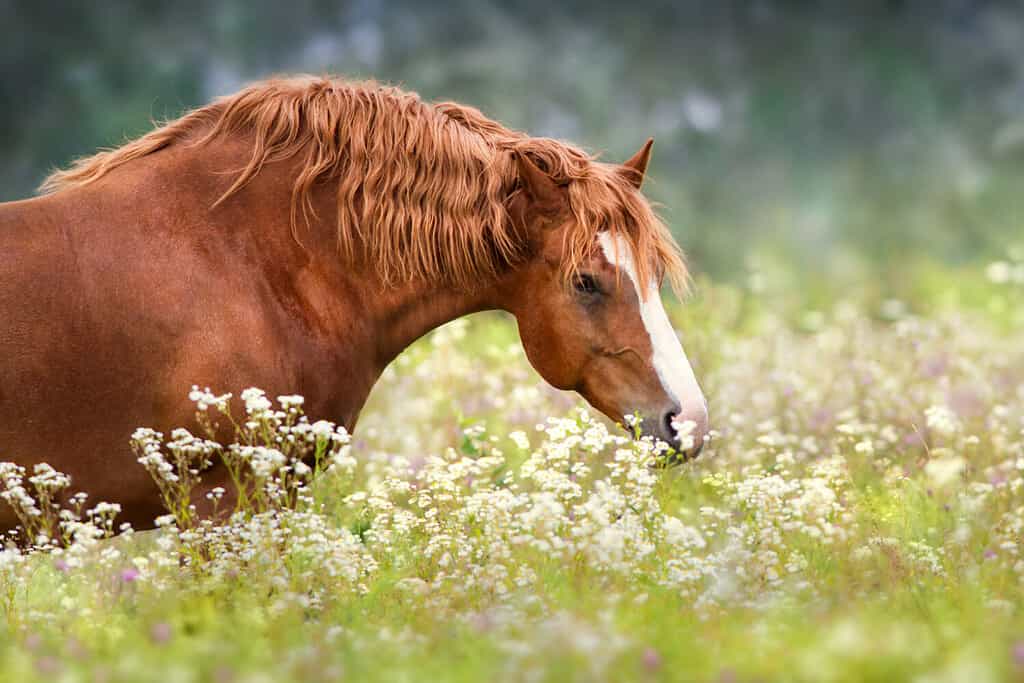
(424,188)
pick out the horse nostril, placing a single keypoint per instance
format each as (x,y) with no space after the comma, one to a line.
(669,429)
(685,434)
(680,428)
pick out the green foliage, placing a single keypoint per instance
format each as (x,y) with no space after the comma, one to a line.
(830,135)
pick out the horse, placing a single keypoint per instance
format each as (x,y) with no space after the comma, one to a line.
(297,236)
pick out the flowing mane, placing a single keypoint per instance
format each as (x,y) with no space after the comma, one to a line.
(424,188)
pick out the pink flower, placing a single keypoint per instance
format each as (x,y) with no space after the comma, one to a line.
(1018,654)
(160,632)
(130,574)
(651,660)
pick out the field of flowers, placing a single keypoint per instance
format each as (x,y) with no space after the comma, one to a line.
(858,516)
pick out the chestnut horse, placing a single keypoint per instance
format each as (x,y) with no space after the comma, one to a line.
(297,236)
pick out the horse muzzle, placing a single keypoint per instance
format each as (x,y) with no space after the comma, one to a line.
(685,430)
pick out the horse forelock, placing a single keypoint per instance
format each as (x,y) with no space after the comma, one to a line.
(433,180)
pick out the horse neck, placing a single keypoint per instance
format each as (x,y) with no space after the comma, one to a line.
(398,313)
(372,319)
(404,313)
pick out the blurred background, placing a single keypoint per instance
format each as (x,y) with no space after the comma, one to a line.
(825,142)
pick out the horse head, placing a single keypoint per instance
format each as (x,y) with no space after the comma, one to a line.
(588,303)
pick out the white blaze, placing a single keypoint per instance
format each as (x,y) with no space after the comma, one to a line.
(669,359)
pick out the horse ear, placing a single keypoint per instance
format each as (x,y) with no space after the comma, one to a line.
(536,183)
(636,166)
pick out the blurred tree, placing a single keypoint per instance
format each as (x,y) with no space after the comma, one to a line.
(892,127)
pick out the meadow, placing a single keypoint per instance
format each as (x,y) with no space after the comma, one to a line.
(858,516)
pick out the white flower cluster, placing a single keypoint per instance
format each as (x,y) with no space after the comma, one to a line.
(854,462)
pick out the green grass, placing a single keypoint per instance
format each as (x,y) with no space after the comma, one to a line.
(833,532)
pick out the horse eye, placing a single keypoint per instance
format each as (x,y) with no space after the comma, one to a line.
(586,284)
